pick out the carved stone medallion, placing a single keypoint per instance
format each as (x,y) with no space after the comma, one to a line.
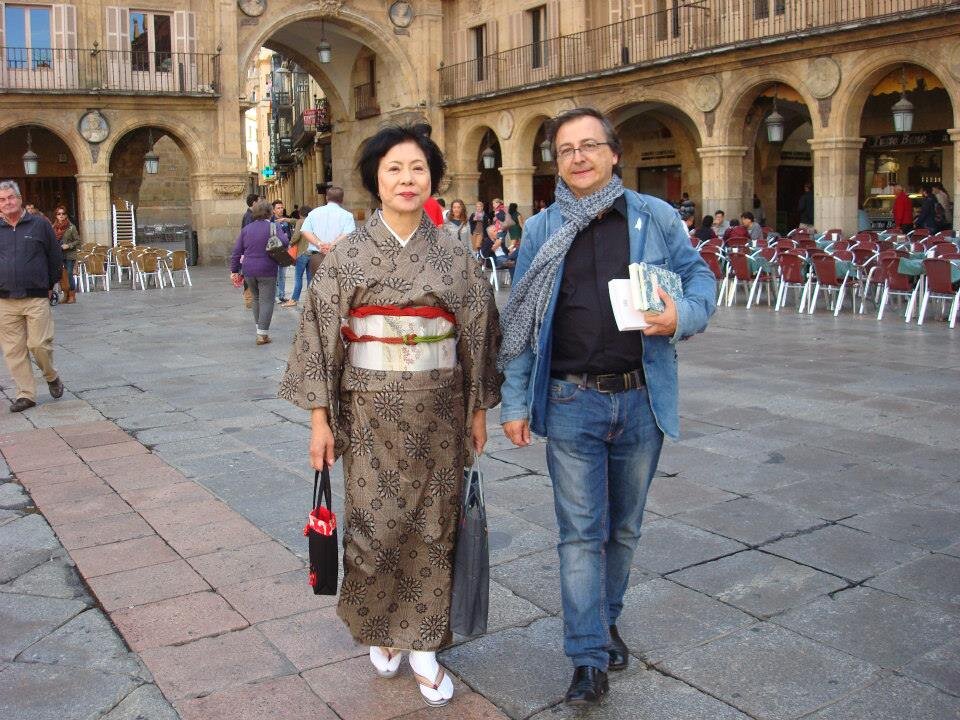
(823,77)
(565,104)
(93,126)
(505,124)
(708,93)
(330,7)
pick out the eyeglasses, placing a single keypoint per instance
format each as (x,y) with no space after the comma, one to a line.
(587,149)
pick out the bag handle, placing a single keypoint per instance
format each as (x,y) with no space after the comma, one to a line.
(321,482)
(475,471)
(273,230)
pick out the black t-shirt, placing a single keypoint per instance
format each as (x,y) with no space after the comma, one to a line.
(585,334)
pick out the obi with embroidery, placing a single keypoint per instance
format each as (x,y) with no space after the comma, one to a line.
(387,337)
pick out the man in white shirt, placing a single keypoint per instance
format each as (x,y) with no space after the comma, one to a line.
(720,223)
(327,224)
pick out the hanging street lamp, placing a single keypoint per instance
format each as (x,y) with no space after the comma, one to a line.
(151,161)
(31,161)
(774,123)
(903,108)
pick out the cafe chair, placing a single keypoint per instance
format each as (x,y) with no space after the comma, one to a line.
(939,286)
(896,283)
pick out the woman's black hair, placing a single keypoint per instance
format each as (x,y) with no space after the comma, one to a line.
(380,144)
(707,221)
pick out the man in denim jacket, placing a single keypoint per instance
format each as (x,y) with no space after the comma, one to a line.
(603,398)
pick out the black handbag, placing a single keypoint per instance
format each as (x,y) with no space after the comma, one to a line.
(321,532)
(276,250)
(471,566)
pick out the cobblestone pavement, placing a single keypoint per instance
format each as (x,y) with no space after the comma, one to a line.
(800,557)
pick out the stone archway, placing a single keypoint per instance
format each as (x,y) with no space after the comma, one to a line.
(927,155)
(770,175)
(56,180)
(659,156)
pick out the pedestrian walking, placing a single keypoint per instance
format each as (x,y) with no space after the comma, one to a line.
(69,239)
(300,242)
(30,263)
(602,398)
(325,227)
(403,401)
(283,223)
(258,268)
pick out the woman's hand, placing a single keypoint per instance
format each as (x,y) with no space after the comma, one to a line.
(321,440)
(478,430)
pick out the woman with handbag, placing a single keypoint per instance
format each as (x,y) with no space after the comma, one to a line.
(251,259)
(399,391)
(69,240)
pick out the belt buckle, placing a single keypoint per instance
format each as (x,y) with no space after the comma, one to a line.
(603,386)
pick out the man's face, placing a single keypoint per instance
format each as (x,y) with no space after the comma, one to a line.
(584,172)
(30,208)
(278,209)
(10,203)
(718,218)
(746,222)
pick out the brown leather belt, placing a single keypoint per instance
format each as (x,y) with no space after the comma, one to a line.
(606,382)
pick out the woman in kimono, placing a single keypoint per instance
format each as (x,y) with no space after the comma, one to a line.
(395,359)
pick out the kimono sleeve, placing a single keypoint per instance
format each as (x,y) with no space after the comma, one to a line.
(478,342)
(315,364)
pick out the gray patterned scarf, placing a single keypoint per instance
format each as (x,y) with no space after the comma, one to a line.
(522,317)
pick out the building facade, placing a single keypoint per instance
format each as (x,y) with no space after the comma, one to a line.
(92,86)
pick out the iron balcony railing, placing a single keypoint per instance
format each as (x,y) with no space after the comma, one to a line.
(691,28)
(110,72)
(312,121)
(365,99)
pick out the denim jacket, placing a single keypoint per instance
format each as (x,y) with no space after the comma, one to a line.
(658,237)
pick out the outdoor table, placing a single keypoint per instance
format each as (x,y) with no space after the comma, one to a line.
(914,267)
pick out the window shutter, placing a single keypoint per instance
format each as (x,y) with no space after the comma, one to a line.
(65,27)
(553,19)
(493,44)
(185,32)
(118,28)
(184,47)
(65,45)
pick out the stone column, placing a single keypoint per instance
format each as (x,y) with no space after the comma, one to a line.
(464,186)
(955,190)
(518,187)
(218,206)
(93,191)
(722,180)
(836,177)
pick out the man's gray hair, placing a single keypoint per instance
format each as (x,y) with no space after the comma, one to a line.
(11,185)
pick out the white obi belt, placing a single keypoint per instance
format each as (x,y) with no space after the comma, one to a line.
(387,337)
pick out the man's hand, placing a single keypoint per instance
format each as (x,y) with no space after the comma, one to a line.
(518,432)
(325,248)
(664,323)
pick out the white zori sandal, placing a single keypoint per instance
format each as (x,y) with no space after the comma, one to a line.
(438,690)
(386,661)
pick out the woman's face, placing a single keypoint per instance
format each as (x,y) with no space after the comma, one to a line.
(458,210)
(479,207)
(61,214)
(403,179)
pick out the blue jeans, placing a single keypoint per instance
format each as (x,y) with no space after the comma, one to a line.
(299,270)
(69,265)
(281,283)
(602,451)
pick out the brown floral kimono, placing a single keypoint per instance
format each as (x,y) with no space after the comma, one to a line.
(404,436)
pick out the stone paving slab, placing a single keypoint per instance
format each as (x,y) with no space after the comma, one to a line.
(893,698)
(760,584)
(768,430)
(770,672)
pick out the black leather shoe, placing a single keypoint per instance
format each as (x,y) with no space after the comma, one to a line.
(619,654)
(56,388)
(588,686)
(21,404)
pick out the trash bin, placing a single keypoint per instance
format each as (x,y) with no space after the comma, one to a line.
(192,246)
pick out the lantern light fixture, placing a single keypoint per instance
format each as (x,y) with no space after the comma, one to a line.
(546,152)
(324,51)
(151,161)
(31,161)
(774,122)
(903,108)
(489,158)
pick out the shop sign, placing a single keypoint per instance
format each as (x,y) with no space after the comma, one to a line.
(910,139)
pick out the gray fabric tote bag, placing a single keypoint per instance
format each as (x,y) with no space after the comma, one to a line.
(471,566)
